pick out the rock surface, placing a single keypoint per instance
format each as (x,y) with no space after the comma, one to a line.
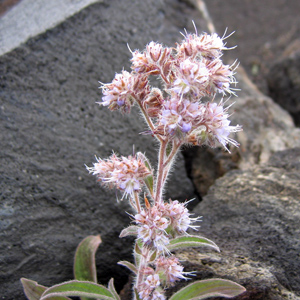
(51,127)
(253,216)
(34,17)
(284,83)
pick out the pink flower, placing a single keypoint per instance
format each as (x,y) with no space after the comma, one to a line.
(179,217)
(152,229)
(215,127)
(170,269)
(220,77)
(154,51)
(125,173)
(205,45)
(125,88)
(191,77)
(152,281)
(178,117)
(163,221)
(143,63)
(117,95)
(153,103)
(149,289)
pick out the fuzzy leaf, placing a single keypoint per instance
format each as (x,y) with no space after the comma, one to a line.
(80,289)
(153,256)
(128,265)
(209,288)
(84,262)
(149,181)
(131,230)
(34,291)
(191,241)
(137,255)
(137,248)
(112,289)
(136,294)
(169,149)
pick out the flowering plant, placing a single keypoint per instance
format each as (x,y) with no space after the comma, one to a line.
(179,113)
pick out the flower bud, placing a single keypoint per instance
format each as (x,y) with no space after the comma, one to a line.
(154,51)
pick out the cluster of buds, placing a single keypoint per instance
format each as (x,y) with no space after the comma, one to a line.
(177,114)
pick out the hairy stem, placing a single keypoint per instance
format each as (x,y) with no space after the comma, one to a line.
(169,161)
(142,264)
(148,121)
(160,172)
(172,154)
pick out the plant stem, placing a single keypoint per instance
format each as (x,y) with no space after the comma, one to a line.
(169,161)
(142,264)
(160,172)
(148,121)
(172,153)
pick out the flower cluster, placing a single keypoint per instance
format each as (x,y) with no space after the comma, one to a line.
(124,173)
(164,272)
(163,221)
(190,72)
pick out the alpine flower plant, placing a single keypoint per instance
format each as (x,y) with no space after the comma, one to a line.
(182,112)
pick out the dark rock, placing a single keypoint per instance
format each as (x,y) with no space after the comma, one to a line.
(51,127)
(284,84)
(253,216)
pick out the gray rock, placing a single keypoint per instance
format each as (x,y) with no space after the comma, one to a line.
(253,216)
(32,17)
(51,127)
(284,84)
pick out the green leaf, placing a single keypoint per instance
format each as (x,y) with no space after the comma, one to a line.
(137,252)
(84,262)
(131,230)
(128,265)
(137,248)
(191,241)
(169,149)
(136,294)
(112,289)
(209,288)
(34,291)
(149,181)
(153,256)
(80,289)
